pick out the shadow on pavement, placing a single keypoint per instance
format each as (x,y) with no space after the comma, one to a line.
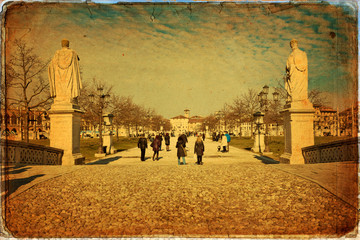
(266,160)
(16,169)
(12,185)
(104,161)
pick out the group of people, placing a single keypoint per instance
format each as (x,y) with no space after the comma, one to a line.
(224,141)
(199,149)
(156,143)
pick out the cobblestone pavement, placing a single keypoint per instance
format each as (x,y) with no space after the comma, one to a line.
(232,194)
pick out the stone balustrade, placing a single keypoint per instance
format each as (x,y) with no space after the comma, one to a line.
(338,151)
(31,154)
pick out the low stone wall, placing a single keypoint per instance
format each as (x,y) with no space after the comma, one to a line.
(338,151)
(32,154)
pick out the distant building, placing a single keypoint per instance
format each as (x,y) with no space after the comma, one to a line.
(185,123)
(195,124)
(325,121)
(12,124)
(273,129)
(245,129)
(180,123)
(348,121)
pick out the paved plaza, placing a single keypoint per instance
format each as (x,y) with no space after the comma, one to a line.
(233,194)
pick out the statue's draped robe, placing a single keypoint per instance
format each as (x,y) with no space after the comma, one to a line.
(64,75)
(296,83)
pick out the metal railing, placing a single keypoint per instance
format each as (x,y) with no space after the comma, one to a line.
(338,151)
(17,152)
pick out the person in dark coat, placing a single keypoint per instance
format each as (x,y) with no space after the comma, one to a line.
(199,150)
(181,151)
(167,141)
(142,144)
(156,146)
(184,139)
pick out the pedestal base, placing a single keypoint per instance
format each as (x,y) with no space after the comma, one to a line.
(259,143)
(107,142)
(73,159)
(299,132)
(65,121)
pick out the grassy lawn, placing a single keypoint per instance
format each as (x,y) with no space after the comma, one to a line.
(276,143)
(89,146)
(244,142)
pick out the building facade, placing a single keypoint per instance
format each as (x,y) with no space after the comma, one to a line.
(348,122)
(185,123)
(325,121)
(179,124)
(13,123)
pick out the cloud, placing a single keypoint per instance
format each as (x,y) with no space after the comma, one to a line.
(216,51)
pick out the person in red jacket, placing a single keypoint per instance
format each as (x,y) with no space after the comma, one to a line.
(156,147)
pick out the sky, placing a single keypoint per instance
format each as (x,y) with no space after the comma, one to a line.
(172,57)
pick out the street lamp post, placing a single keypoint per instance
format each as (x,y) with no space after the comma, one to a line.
(101,101)
(264,104)
(259,120)
(219,115)
(237,116)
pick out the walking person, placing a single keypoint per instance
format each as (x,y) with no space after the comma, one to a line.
(223,143)
(228,139)
(199,150)
(167,141)
(181,151)
(156,146)
(142,144)
(203,136)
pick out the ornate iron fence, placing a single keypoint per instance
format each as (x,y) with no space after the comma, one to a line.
(338,151)
(32,154)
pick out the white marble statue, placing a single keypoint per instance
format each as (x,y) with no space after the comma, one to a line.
(296,82)
(64,75)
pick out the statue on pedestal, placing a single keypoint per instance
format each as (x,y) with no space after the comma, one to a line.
(65,114)
(296,82)
(298,113)
(64,75)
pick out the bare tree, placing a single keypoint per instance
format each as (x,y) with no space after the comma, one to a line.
(122,108)
(94,99)
(24,84)
(238,112)
(211,122)
(251,105)
(318,97)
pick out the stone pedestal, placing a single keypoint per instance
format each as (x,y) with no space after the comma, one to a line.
(65,121)
(259,143)
(107,142)
(298,131)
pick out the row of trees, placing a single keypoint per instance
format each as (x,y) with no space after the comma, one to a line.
(126,112)
(242,108)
